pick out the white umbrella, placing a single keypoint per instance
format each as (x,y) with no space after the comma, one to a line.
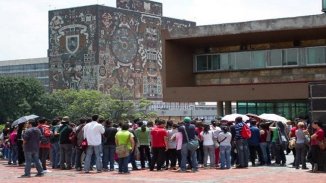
(231,117)
(273,117)
(24,119)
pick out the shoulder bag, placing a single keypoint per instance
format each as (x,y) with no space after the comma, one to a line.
(122,150)
(193,144)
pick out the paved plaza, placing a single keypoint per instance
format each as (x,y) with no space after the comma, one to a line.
(263,174)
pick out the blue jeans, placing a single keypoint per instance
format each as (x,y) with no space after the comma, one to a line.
(29,157)
(6,152)
(243,152)
(55,155)
(13,154)
(97,150)
(108,156)
(123,164)
(264,146)
(225,156)
(184,155)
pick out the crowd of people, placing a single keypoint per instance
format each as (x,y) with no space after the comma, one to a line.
(95,144)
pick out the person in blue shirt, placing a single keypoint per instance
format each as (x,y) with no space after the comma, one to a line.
(241,144)
(253,143)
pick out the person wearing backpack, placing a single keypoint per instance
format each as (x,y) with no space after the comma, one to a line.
(65,144)
(79,138)
(241,144)
(45,143)
(54,140)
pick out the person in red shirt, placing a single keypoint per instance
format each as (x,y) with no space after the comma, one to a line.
(159,145)
(316,152)
(44,146)
(292,135)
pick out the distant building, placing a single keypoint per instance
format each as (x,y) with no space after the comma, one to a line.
(264,66)
(36,68)
(98,47)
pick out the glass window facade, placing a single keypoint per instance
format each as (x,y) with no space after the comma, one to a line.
(288,109)
(39,71)
(291,57)
(316,56)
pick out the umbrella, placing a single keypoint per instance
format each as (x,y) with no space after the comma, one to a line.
(273,117)
(231,117)
(256,117)
(24,119)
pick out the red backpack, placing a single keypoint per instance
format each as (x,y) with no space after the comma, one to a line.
(245,131)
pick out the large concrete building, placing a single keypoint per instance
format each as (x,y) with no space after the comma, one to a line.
(98,47)
(263,66)
(34,67)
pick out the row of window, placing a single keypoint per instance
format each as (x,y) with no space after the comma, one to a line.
(289,110)
(29,74)
(261,59)
(26,67)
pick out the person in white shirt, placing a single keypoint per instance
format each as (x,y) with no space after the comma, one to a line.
(93,134)
(216,130)
(224,138)
(207,135)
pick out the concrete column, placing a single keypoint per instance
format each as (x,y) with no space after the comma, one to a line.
(228,107)
(220,109)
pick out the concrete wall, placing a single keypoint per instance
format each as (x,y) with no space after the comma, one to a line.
(98,47)
(281,75)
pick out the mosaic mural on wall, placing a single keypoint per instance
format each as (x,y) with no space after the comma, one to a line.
(72,49)
(98,47)
(144,6)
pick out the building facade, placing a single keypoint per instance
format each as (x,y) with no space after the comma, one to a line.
(99,47)
(264,66)
(36,68)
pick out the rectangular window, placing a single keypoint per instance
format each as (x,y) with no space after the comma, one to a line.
(213,62)
(224,62)
(291,57)
(243,60)
(276,58)
(258,59)
(316,55)
(202,63)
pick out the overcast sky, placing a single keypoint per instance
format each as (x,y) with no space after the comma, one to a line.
(24,23)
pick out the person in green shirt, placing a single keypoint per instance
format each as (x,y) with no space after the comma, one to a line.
(280,158)
(143,135)
(124,137)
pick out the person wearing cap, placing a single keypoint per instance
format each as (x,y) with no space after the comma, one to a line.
(190,131)
(65,144)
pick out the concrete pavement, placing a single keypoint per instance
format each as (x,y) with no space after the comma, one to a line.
(263,174)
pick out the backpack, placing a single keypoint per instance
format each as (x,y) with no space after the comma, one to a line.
(245,131)
(43,138)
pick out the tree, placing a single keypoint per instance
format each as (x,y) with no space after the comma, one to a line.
(19,96)
(121,104)
(76,104)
